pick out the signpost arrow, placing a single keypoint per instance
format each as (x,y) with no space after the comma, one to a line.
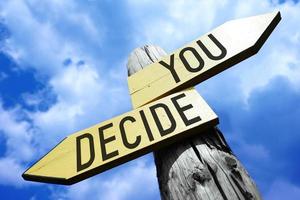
(203,58)
(123,138)
(165,109)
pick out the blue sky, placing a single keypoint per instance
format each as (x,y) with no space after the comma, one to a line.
(63,68)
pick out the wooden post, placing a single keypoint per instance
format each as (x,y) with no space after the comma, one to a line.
(202,167)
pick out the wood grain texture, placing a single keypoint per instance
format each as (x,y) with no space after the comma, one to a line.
(201,167)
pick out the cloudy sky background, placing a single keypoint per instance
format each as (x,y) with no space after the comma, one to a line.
(63,68)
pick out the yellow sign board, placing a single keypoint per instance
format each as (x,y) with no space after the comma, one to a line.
(123,138)
(161,122)
(201,59)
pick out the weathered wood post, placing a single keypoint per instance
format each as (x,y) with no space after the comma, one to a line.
(202,167)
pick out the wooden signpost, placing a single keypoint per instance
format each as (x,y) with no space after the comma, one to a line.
(200,167)
(167,110)
(115,141)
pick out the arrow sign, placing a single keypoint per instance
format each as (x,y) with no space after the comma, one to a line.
(123,138)
(203,58)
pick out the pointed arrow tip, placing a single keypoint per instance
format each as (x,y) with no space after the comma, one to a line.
(44,179)
(271,21)
(45,170)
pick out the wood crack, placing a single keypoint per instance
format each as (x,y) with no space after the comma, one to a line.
(224,171)
(216,181)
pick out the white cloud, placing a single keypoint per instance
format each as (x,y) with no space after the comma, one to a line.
(46,33)
(43,35)
(86,96)
(78,90)
(182,21)
(18,147)
(83,98)
(177,21)
(18,134)
(10,172)
(132,181)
